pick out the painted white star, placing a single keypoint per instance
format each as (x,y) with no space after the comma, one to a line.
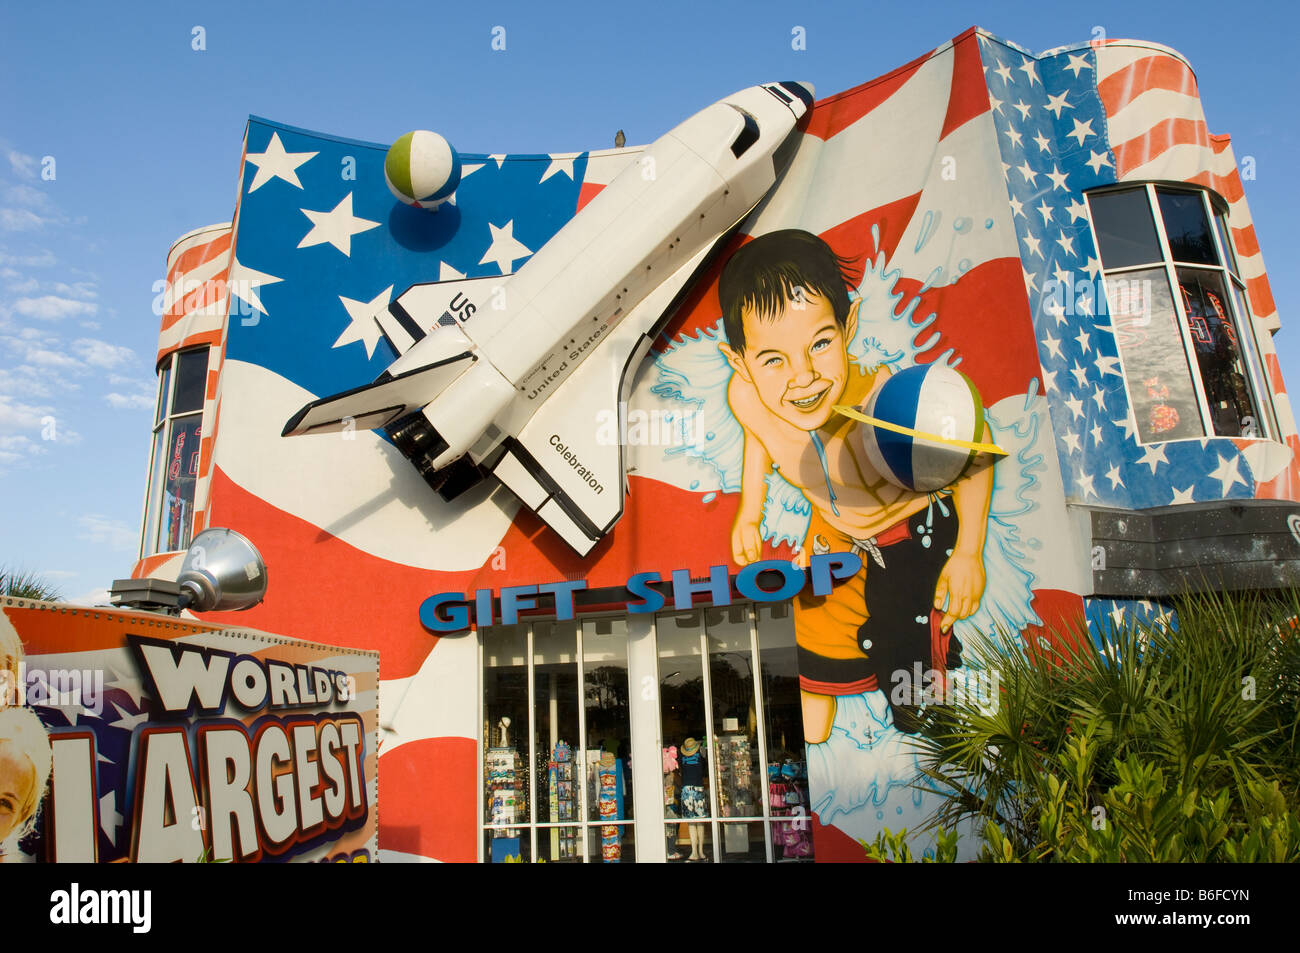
(1004,71)
(560,163)
(244,282)
(1014,135)
(1017,208)
(1058,177)
(498,159)
(1117,615)
(1129,429)
(129,685)
(1023,107)
(505,249)
(1083,341)
(1153,456)
(1227,473)
(363,327)
(1063,275)
(1029,68)
(1080,374)
(467,170)
(1083,303)
(1049,380)
(1081,130)
(995,104)
(1071,440)
(1076,407)
(1077,63)
(1096,434)
(337,226)
(1053,346)
(275,163)
(109,819)
(1099,398)
(1006,170)
(1108,365)
(1045,210)
(1032,243)
(1056,103)
(1076,210)
(1066,242)
(1044,144)
(1085,484)
(1182,496)
(1145,604)
(1027,171)
(1031,283)
(1098,160)
(1093,268)
(128,722)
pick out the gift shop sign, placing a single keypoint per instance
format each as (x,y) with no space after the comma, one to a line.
(768,580)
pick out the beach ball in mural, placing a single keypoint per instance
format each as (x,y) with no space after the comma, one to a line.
(422,169)
(937,406)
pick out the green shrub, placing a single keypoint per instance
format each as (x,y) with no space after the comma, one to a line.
(1161,743)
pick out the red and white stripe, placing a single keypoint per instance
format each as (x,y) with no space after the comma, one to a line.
(1158,132)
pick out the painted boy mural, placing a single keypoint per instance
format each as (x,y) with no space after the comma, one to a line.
(788,322)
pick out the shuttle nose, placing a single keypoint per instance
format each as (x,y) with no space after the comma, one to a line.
(802,91)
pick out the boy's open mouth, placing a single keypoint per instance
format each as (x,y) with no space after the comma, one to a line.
(811,401)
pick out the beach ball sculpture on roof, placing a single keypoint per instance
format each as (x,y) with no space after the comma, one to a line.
(926,424)
(422,169)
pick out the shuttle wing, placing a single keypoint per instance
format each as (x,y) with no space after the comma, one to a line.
(380,403)
(567,462)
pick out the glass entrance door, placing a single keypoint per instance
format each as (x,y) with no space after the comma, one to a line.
(734,778)
(698,712)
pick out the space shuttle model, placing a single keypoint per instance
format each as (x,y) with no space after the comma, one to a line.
(507,376)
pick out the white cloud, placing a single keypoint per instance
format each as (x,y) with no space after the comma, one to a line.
(27,195)
(101,530)
(24,166)
(53,308)
(130,401)
(82,289)
(22,287)
(19,220)
(101,354)
(95,597)
(16,416)
(42,259)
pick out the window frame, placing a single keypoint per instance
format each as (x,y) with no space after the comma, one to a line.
(1239,305)
(151,511)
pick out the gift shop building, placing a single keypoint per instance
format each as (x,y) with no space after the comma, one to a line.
(1061,228)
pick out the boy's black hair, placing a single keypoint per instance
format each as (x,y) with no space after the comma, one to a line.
(764,274)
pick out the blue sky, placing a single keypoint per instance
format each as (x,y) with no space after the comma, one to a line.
(145,136)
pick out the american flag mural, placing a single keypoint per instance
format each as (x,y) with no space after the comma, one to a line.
(954,186)
(1074,119)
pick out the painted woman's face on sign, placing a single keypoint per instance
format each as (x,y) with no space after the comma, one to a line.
(797,360)
(17,784)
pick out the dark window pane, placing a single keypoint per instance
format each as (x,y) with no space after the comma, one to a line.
(181,468)
(1218,352)
(1225,239)
(1126,235)
(191,381)
(155,493)
(163,384)
(1186,227)
(1155,359)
